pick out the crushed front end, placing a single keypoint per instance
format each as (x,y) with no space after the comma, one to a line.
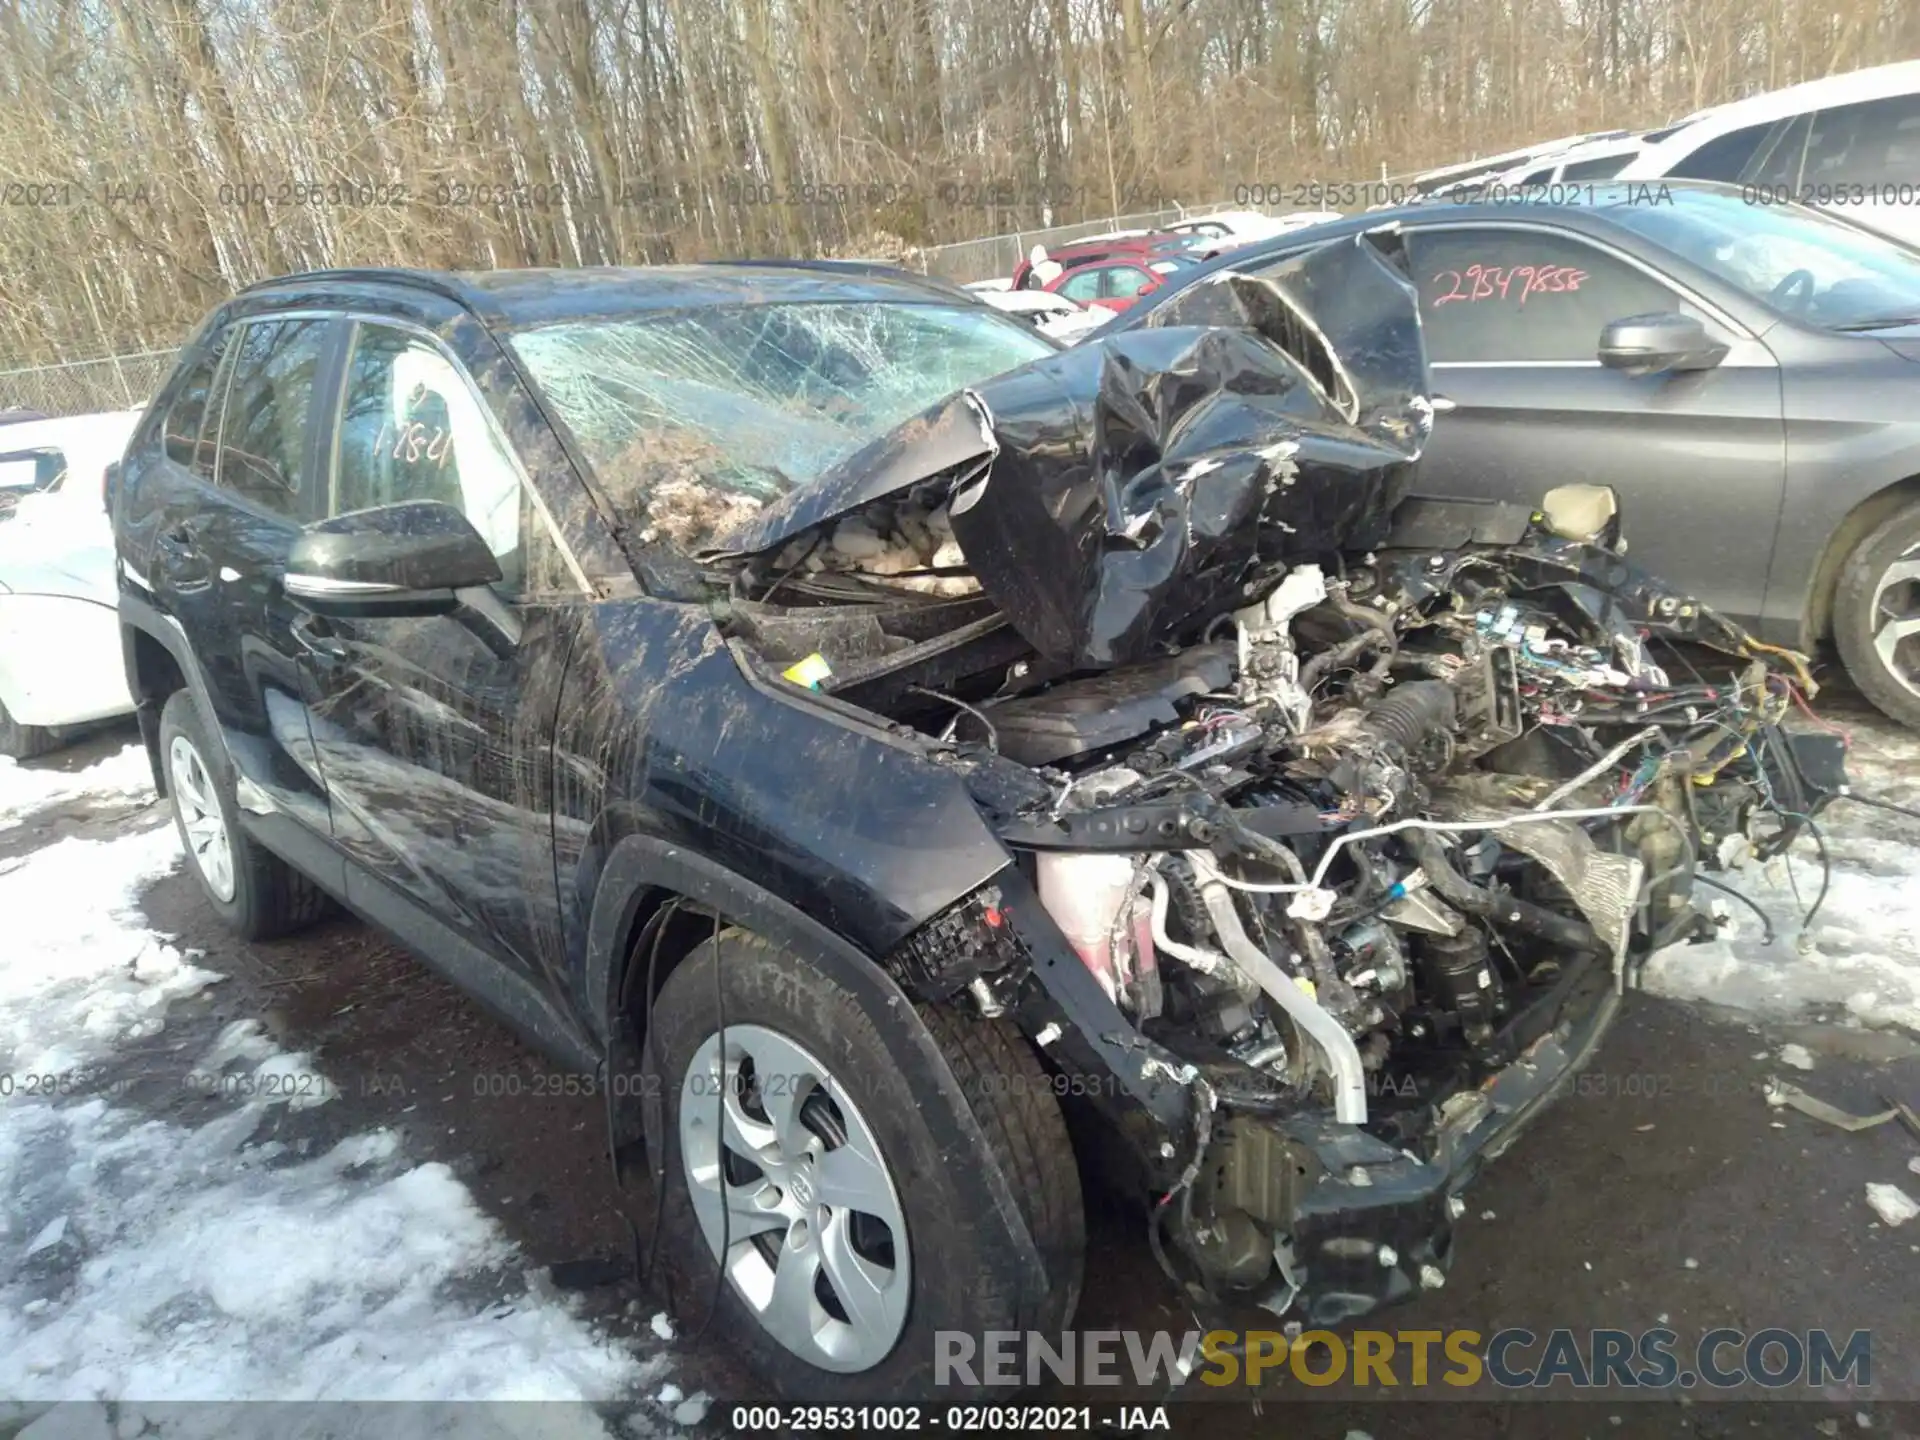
(1343,919)
(1338,821)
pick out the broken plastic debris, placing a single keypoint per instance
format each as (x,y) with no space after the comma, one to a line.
(808,672)
(1798,1056)
(1892,1204)
(1779,1092)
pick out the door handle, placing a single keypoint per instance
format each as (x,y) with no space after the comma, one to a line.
(179,561)
(318,637)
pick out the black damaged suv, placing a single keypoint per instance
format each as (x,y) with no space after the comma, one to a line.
(814,700)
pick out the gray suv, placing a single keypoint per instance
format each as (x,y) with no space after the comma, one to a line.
(1746,376)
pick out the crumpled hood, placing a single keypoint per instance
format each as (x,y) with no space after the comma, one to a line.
(1109,493)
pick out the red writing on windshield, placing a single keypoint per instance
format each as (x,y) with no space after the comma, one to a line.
(1512,283)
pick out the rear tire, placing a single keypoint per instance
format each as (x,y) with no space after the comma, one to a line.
(24,742)
(949,1259)
(256,893)
(1879,586)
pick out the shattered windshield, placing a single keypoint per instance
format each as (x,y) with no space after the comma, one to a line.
(693,419)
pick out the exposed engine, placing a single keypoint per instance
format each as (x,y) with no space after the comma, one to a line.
(1357,809)
(1360,843)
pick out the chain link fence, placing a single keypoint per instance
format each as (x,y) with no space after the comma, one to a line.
(992,256)
(996,256)
(86,387)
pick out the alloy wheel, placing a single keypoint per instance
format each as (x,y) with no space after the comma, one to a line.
(1896,619)
(785,1173)
(198,807)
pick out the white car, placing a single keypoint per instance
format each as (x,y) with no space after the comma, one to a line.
(1053,315)
(1849,143)
(1592,161)
(1242,227)
(1471,174)
(60,660)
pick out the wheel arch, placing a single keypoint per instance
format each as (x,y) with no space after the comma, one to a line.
(1816,622)
(158,663)
(642,878)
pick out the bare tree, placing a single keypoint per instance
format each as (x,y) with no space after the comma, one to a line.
(157,154)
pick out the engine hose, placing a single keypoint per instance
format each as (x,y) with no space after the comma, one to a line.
(1411,713)
(1349,650)
(1461,893)
(1338,598)
(1207,962)
(1342,1057)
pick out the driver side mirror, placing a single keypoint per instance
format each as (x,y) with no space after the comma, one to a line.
(1654,344)
(393,560)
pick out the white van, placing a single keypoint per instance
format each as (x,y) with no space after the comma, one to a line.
(1848,143)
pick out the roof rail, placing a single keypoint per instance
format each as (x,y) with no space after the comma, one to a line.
(433,281)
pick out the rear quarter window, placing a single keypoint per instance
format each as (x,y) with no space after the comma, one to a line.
(1724,159)
(184,432)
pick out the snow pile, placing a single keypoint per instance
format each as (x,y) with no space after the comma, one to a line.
(193,1266)
(83,974)
(125,776)
(1861,958)
(147,1261)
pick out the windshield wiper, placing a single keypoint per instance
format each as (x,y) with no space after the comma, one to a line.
(1882,322)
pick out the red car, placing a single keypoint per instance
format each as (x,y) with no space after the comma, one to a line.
(1115,283)
(1152,244)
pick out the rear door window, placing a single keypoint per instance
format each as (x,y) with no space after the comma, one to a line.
(1515,296)
(1870,143)
(1084,286)
(1777,160)
(268,421)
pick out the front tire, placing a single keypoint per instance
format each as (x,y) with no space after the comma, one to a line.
(837,1179)
(1876,616)
(24,742)
(256,893)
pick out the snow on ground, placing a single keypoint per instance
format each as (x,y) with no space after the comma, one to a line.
(1861,958)
(146,1261)
(121,776)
